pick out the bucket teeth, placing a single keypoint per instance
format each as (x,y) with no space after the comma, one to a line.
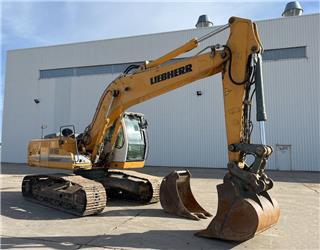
(176,196)
(241,215)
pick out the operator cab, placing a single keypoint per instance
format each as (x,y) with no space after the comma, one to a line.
(131,146)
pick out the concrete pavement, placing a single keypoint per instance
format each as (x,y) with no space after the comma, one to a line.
(127,225)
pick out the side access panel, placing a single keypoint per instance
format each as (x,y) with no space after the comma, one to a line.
(57,153)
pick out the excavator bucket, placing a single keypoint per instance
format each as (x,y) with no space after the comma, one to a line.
(241,216)
(176,196)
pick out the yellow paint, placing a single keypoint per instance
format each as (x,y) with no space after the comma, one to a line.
(193,43)
(128,164)
(243,37)
(54,153)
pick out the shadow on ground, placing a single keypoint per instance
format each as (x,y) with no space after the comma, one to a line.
(153,239)
(14,206)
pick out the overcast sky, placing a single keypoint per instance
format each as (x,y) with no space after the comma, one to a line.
(27,24)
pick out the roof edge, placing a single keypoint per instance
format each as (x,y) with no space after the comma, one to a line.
(152,34)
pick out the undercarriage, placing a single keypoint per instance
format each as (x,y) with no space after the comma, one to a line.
(86,192)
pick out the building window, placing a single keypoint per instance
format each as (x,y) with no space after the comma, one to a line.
(268,55)
(93,70)
(53,73)
(284,53)
(86,70)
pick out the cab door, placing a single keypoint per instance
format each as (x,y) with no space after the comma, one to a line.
(131,146)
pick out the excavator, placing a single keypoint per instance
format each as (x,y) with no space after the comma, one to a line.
(116,140)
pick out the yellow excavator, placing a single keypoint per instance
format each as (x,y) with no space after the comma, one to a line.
(116,140)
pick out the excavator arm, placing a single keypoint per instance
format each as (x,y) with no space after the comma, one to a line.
(158,77)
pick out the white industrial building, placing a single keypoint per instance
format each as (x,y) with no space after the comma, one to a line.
(185,129)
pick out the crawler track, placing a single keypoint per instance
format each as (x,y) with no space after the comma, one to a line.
(149,185)
(69,193)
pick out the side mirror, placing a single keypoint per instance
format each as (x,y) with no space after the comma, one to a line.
(143,124)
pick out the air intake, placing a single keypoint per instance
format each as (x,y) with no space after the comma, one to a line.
(293,9)
(203,21)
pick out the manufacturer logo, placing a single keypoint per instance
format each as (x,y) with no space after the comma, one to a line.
(171,74)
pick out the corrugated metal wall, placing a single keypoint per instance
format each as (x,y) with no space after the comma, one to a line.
(184,129)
